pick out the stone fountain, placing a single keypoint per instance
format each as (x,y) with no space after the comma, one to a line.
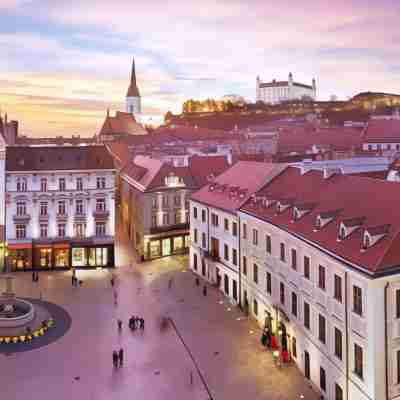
(14,312)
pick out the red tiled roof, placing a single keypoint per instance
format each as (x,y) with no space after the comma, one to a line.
(245,176)
(150,173)
(382,131)
(355,197)
(302,138)
(122,123)
(190,133)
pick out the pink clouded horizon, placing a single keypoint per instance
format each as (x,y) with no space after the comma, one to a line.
(67,62)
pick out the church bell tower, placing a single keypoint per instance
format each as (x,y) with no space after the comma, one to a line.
(133,100)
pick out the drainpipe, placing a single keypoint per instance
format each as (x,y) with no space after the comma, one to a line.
(386,345)
(346,311)
(240,262)
(208,237)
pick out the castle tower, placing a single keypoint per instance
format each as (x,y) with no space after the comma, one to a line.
(258,91)
(133,101)
(314,86)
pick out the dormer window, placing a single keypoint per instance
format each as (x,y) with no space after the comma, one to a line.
(324,218)
(350,225)
(283,205)
(374,234)
(342,233)
(366,241)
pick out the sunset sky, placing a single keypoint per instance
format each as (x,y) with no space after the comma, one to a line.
(63,62)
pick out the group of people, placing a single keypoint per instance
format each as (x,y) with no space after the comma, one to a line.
(136,323)
(118,358)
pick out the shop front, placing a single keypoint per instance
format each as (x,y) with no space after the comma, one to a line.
(20,256)
(90,255)
(166,246)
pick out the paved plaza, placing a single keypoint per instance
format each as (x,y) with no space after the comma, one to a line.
(210,335)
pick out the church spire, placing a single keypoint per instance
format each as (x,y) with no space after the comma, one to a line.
(133,90)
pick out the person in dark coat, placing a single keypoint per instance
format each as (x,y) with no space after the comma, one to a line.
(115,357)
(204,290)
(119,324)
(131,322)
(197,281)
(142,323)
(121,357)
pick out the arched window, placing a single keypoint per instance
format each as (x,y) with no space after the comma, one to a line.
(342,234)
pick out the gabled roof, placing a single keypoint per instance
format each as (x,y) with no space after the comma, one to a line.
(247,175)
(49,158)
(352,197)
(383,131)
(150,173)
(122,123)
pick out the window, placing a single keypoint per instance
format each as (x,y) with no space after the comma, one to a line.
(21,208)
(321,277)
(357,300)
(307,315)
(165,202)
(294,304)
(165,219)
(234,256)
(80,230)
(255,273)
(322,379)
(398,303)
(338,343)
(306,267)
(101,182)
(358,360)
(43,208)
(244,231)
(214,219)
(195,212)
(226,285)
(282,293)
(244,265)
(61,184)
(255,307)
(177,200)
(100,205)
(79,184)
(43,230)
(321,329)
(195,262)
(226,252)
(337,292)
(234,290)
(269,283)
(154,221)
(79,207)
(294,347)
(203,240)
(203,215)
(338,392)
(100,228)
(61,230)
(234,228)
(226,224)
(61,207)
(43,185)
(398,365)
(283,252)
(20,231)
(255,237)
(154,203)
(268,244)
(294,259)
(177,217)
(195,235)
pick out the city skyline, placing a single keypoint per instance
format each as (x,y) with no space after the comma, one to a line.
(62,70)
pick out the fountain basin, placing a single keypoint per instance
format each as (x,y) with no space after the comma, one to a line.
(24,313)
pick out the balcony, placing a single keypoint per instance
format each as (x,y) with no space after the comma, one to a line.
(212,255)
(62,216)
(80,217)
(21,218)
(101,214)
(43,217)
(167,228)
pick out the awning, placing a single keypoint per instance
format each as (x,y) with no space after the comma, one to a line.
(61,246)
(20,246)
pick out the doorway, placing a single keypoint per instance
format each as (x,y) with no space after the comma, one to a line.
(166,247)
(307,364)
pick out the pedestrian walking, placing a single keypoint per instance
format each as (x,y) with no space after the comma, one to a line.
(33,276)
(142,323)
(204,290)
(197,281)
(115,358)
(121,357)
(191,377)
(112,281)
(119,324)
(115,297)
(131,322)
(170,283)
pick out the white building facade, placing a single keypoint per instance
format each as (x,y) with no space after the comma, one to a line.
(60,207)
(276,92)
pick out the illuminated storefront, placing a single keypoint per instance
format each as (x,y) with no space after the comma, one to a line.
(166,246)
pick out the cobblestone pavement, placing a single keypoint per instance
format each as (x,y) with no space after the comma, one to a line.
(224,345)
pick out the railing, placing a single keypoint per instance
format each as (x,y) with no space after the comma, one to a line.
(166,228)
(21,217)
(101,214)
